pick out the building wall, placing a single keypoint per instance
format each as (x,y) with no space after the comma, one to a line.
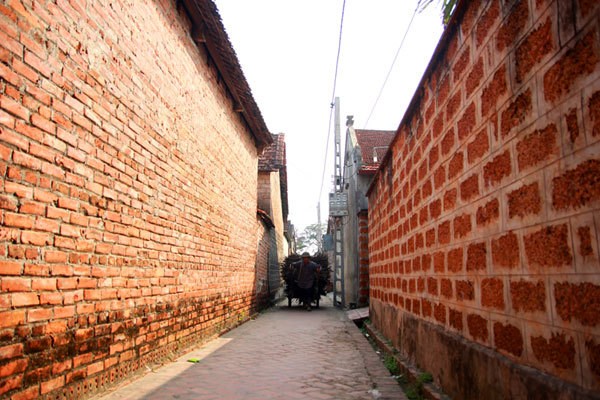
(261,283)
(363,258)
(128,206)
(484,219)
(269,200)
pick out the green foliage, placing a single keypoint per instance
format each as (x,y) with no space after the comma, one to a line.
(391,364)
(425,377)
(310,239)
(447,8)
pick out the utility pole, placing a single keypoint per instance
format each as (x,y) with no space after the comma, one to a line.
(337,209)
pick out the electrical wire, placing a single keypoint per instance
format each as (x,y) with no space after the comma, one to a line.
(337,62)
(393,62)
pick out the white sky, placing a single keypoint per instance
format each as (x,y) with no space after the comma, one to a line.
(288,49)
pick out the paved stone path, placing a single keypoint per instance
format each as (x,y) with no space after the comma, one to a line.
(282,354)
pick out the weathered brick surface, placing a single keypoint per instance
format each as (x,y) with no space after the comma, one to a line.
(128,205)
(511,229)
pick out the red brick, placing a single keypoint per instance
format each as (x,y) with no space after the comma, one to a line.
(487,21)
(10,267)
(24,299)
(478,147)
(505,251)
(585,241)
(497,169)
(524,201)
(455,260)
(449,199)
(446,288)
(488,213)
(528,296)
(432,286)
(439,312)
(453,105)
(577,187)
(444,232)
(16,284)
(580,301)
(456,165)
(35,238)
(476,257)
(455,318)
(549,246)
(465,290)
(52,384)
(573,124)
(462,225)
(496,88)
(443,91)
(439,259)
(508,338)
(578,61)
(39,314)
(593,104)
(558,350)
(514,24)
(469,188)
(11,318)
(474,78)
(492,293)
(537,147)
(469,16)
(467,123)
(533,49)
(477,326)
(28,394)
(593,356)
(12,382)
(439,177)
(11,351)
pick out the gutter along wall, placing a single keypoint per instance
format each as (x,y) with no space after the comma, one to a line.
(484,217)
(129,178)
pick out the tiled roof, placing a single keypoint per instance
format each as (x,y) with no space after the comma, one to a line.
(273,158)
(371,141)
(208,30)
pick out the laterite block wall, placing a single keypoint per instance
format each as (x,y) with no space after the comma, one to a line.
(128,223)
(484,221)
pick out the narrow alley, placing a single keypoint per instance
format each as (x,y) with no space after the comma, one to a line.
(282,354)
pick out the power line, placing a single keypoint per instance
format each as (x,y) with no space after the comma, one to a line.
(393,62)
(337,62)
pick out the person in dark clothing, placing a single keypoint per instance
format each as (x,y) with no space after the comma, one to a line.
(306,273)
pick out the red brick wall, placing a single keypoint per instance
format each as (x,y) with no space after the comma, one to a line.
(128,208)
(485,219)
(363,259)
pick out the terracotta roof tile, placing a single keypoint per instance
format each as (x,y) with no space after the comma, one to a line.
(370,140)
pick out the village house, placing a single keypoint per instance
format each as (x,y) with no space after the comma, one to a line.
(129,147)
(364,150)
(273,201)
(484,215)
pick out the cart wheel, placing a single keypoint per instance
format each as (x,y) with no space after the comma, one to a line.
(317,303)
(289,302)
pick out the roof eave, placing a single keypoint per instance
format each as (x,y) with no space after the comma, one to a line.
(209,30)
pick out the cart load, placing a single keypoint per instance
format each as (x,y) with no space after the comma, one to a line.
(289,277)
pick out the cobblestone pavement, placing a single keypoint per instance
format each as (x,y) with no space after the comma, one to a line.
(282,354)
